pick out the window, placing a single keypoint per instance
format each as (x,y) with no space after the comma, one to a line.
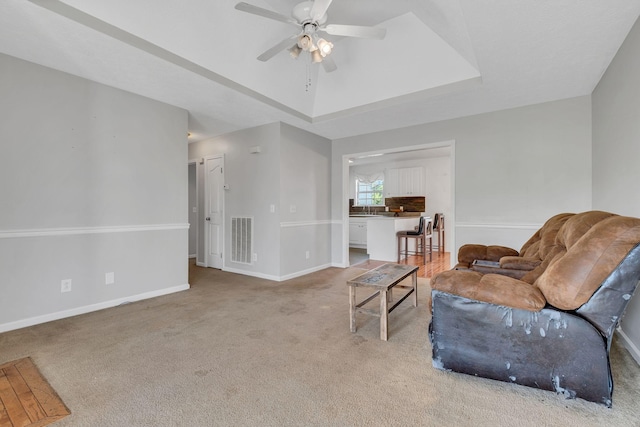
(369,193)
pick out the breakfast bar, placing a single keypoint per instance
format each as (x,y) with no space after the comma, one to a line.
(381,236)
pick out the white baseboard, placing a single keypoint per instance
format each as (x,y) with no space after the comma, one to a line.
(277,278)
(200,264)
(339,265)
(192,256)
(629,345)
(251,273)
(304,272)
(88,308)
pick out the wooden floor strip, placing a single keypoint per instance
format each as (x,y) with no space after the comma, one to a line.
(439,262)
(26,398)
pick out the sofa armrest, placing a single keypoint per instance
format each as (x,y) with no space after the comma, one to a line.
(471,252)
(551,349)
(519,263)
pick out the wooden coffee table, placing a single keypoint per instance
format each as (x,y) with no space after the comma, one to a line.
(383,278)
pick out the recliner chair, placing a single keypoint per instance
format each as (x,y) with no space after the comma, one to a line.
(555,332)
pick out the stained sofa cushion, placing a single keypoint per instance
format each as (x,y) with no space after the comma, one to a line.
(573,276)
(492,288)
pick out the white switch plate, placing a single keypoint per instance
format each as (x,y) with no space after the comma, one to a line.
(65,285)
(109,278)
(292,209)
(195,209)
(272,208)
(307,254)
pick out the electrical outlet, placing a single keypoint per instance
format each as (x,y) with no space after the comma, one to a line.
(292,209)
(109,278)
(255,257)
(307,254)
(65,285)
(272,208)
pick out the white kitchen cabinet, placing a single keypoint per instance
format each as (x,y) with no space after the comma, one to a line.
(403,182)
(391,182)
(358,232)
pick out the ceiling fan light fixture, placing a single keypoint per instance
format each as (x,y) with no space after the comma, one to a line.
(310,16)
(305,42)
(316,56)
(325,47)
(294,51)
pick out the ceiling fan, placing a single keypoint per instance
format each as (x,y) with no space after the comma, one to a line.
(311,17)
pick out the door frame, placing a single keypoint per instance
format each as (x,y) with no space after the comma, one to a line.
(195,162)
(224,204)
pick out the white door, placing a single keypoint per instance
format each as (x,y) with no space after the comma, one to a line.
(214,198)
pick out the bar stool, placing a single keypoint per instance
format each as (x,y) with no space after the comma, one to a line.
(438,227)
(421,235)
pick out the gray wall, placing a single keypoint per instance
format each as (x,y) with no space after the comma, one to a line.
(305,182)
(291,170)
(616,151)
(253,180)
(513,169)
(93,181)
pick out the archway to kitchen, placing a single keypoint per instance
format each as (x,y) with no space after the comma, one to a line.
(436,161)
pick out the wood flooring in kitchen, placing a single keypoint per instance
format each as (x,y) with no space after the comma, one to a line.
(441,261)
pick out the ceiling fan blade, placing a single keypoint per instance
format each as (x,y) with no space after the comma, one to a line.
(355,31)
(249,8)
(268,54)
(329,64)
(319,8)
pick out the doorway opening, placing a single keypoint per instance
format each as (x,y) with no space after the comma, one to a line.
(445,187)
(192,214)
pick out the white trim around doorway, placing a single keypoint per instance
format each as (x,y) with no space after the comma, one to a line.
(451,226)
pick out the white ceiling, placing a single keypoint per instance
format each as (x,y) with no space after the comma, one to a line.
(441,59)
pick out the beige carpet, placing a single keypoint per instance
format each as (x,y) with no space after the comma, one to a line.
(241,351)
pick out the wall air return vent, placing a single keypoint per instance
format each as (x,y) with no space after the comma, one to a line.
(241,239)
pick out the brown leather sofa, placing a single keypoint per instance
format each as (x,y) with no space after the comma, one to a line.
(552,328)
(510,262)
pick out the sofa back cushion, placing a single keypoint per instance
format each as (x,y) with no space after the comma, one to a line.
(578,269)
(548,241)
(543,246)
(577,226)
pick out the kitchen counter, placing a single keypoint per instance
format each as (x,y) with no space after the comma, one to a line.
(385,215)
(382,244)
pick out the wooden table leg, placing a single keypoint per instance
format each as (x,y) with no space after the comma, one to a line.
(384,314)
(414,281)
(352,308)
